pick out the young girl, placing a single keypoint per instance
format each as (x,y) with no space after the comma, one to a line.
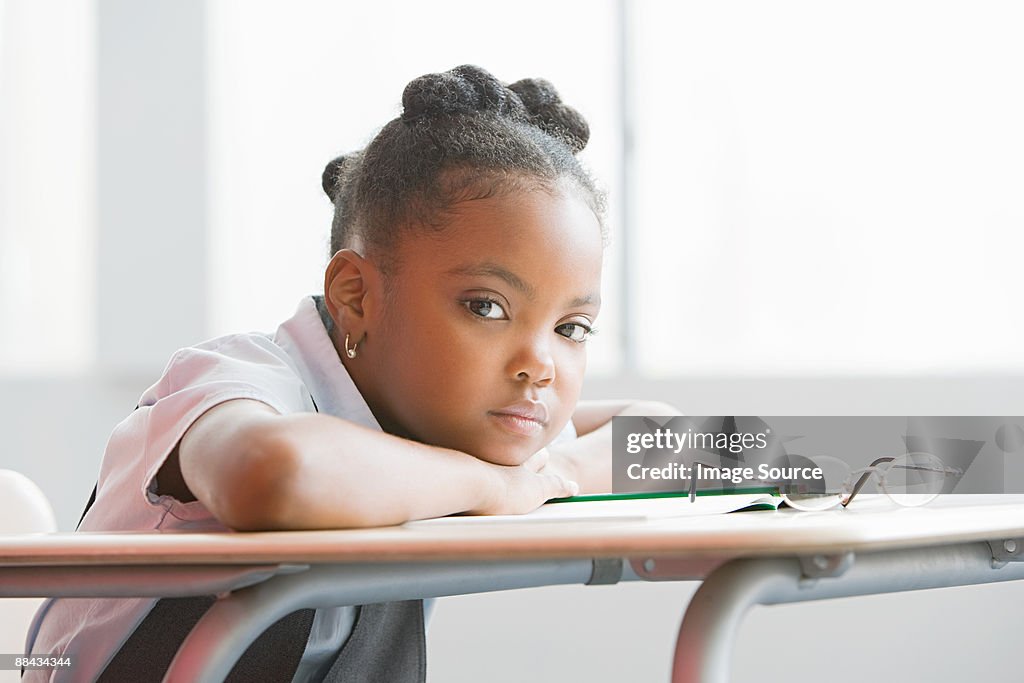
(439,373)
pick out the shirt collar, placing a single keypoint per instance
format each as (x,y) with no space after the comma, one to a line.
(305,339)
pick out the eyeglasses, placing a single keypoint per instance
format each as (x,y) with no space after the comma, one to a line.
(910,480)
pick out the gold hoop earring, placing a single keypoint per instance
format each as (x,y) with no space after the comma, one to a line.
(351,353)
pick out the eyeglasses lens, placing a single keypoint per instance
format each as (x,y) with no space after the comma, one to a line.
(914,479)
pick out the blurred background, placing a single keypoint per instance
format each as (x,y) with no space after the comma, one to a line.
(816,208)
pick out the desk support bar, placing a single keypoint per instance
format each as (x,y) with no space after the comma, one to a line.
(140,581)
(713,617)
(227,629)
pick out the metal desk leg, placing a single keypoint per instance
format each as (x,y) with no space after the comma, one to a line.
(234,622)
(713,617)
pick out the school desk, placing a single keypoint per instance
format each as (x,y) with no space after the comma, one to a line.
(743,559)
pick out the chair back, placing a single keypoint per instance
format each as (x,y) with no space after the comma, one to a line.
(24,509)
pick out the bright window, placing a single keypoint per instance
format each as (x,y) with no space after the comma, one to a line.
(828,187)
(47,188)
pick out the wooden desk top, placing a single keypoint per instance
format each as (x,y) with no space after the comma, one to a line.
(871,523)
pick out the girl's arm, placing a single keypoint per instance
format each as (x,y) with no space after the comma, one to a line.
(588,459)
(256,469)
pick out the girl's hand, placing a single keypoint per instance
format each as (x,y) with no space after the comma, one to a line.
(557,461)
(526,487)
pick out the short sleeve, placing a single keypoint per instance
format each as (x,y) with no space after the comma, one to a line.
(195,380)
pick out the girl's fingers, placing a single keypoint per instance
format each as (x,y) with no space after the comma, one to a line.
(560,487)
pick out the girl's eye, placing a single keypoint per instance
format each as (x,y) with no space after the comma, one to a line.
(577,332)
(486,308)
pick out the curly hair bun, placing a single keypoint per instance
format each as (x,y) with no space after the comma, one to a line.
(331,179)
(469,89)
(547,111)
(465,89)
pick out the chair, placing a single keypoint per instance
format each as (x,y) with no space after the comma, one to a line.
(23,509)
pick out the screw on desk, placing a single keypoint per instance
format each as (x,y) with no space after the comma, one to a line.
(1010,546)
(649,565)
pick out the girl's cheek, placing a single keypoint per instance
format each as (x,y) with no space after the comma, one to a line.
(574,358)
(570,378)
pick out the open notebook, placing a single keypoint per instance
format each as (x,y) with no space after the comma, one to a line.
(627,506)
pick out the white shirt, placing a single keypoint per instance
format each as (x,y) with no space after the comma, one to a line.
(288,371)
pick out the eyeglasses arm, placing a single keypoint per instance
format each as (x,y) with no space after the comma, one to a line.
(867,472)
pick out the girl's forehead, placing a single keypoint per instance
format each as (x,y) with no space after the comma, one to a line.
(541,234)
(556,216)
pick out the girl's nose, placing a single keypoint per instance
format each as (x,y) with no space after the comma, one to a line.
(533,363)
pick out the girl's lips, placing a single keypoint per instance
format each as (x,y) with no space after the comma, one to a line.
(527,418)
(518,424)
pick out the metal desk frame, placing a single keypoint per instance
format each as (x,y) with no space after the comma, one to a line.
(256,594)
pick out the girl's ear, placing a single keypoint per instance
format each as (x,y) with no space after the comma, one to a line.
(347,283)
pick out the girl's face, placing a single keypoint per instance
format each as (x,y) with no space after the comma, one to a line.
(479,343)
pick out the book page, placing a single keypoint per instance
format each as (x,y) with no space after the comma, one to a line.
(615,510)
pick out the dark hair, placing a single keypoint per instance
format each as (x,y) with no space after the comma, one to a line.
(462,135)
